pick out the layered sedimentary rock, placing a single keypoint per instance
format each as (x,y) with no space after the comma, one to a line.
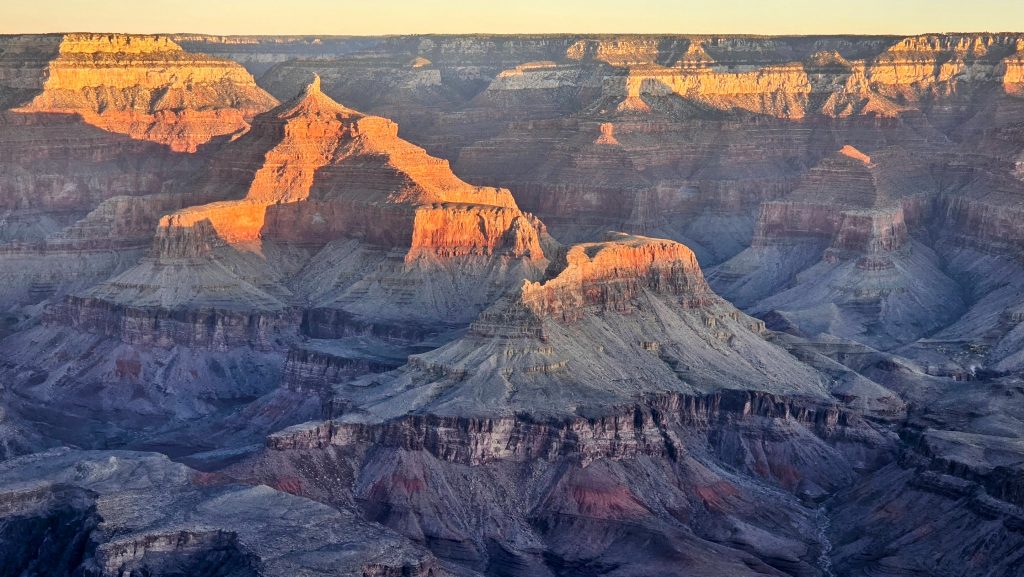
(669,478)
(698,107)
(148,88)
(46,529)
(835,256)
(591,410)
(162,518)
(621,365)
(81,193)
(960,469)
(327,175)
(615,320)
(319,222)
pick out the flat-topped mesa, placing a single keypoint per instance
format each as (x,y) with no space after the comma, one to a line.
(781,90)
(607,276)
(621,318)
(765,77)
(148,88)
(846,198)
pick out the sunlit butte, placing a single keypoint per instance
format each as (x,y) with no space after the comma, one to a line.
(515,17)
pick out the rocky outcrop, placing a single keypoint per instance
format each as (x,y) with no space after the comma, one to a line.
(311,367)
(676,469)
(621,433)
(676,104)
(214,553)
(210,329)
(174,521)
(837,252)
(652,323)
(148,88)
(46,529)
(609,277)
(937,498)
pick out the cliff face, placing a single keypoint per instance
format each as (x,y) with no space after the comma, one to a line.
(673,469)
(837,252)
(175,520)
(320,172)
(148,88)
(705,128)
(318,222)
(849,200)
(609,276)
(187,266)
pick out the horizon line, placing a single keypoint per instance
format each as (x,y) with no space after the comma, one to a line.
(514,34)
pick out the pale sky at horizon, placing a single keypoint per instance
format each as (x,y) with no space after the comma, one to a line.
(326,17)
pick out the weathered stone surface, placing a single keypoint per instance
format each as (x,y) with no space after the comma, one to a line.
(110,513)
(615,320)
(509,405)
(148,88)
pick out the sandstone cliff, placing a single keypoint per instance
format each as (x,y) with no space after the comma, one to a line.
(148,88)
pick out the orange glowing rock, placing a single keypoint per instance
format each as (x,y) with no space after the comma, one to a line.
(855,154)
(150,89)
(333,172)
(607,134)
(609,274)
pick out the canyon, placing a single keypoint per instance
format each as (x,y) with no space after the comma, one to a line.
(537,305)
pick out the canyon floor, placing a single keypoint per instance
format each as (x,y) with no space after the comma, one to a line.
(512,306)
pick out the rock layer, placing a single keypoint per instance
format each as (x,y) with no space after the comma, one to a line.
(148,88)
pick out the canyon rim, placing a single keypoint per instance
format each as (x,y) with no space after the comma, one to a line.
(512,304)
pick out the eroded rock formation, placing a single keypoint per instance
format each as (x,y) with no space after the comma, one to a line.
(146,87)
(295,299)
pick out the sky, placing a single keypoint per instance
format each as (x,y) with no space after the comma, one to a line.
(373,17)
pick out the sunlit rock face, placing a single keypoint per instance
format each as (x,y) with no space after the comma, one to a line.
(705,128)
(379,368)
(144,86)
(319,222)
(387,229)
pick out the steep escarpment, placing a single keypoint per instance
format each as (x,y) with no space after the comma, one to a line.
(685,112)
(82,189)
(670,477)
(836,255)
(327,175)
(161,518)
(148,88)
(46,529)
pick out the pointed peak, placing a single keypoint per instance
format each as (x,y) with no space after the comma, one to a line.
(312,100)
(852,152)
